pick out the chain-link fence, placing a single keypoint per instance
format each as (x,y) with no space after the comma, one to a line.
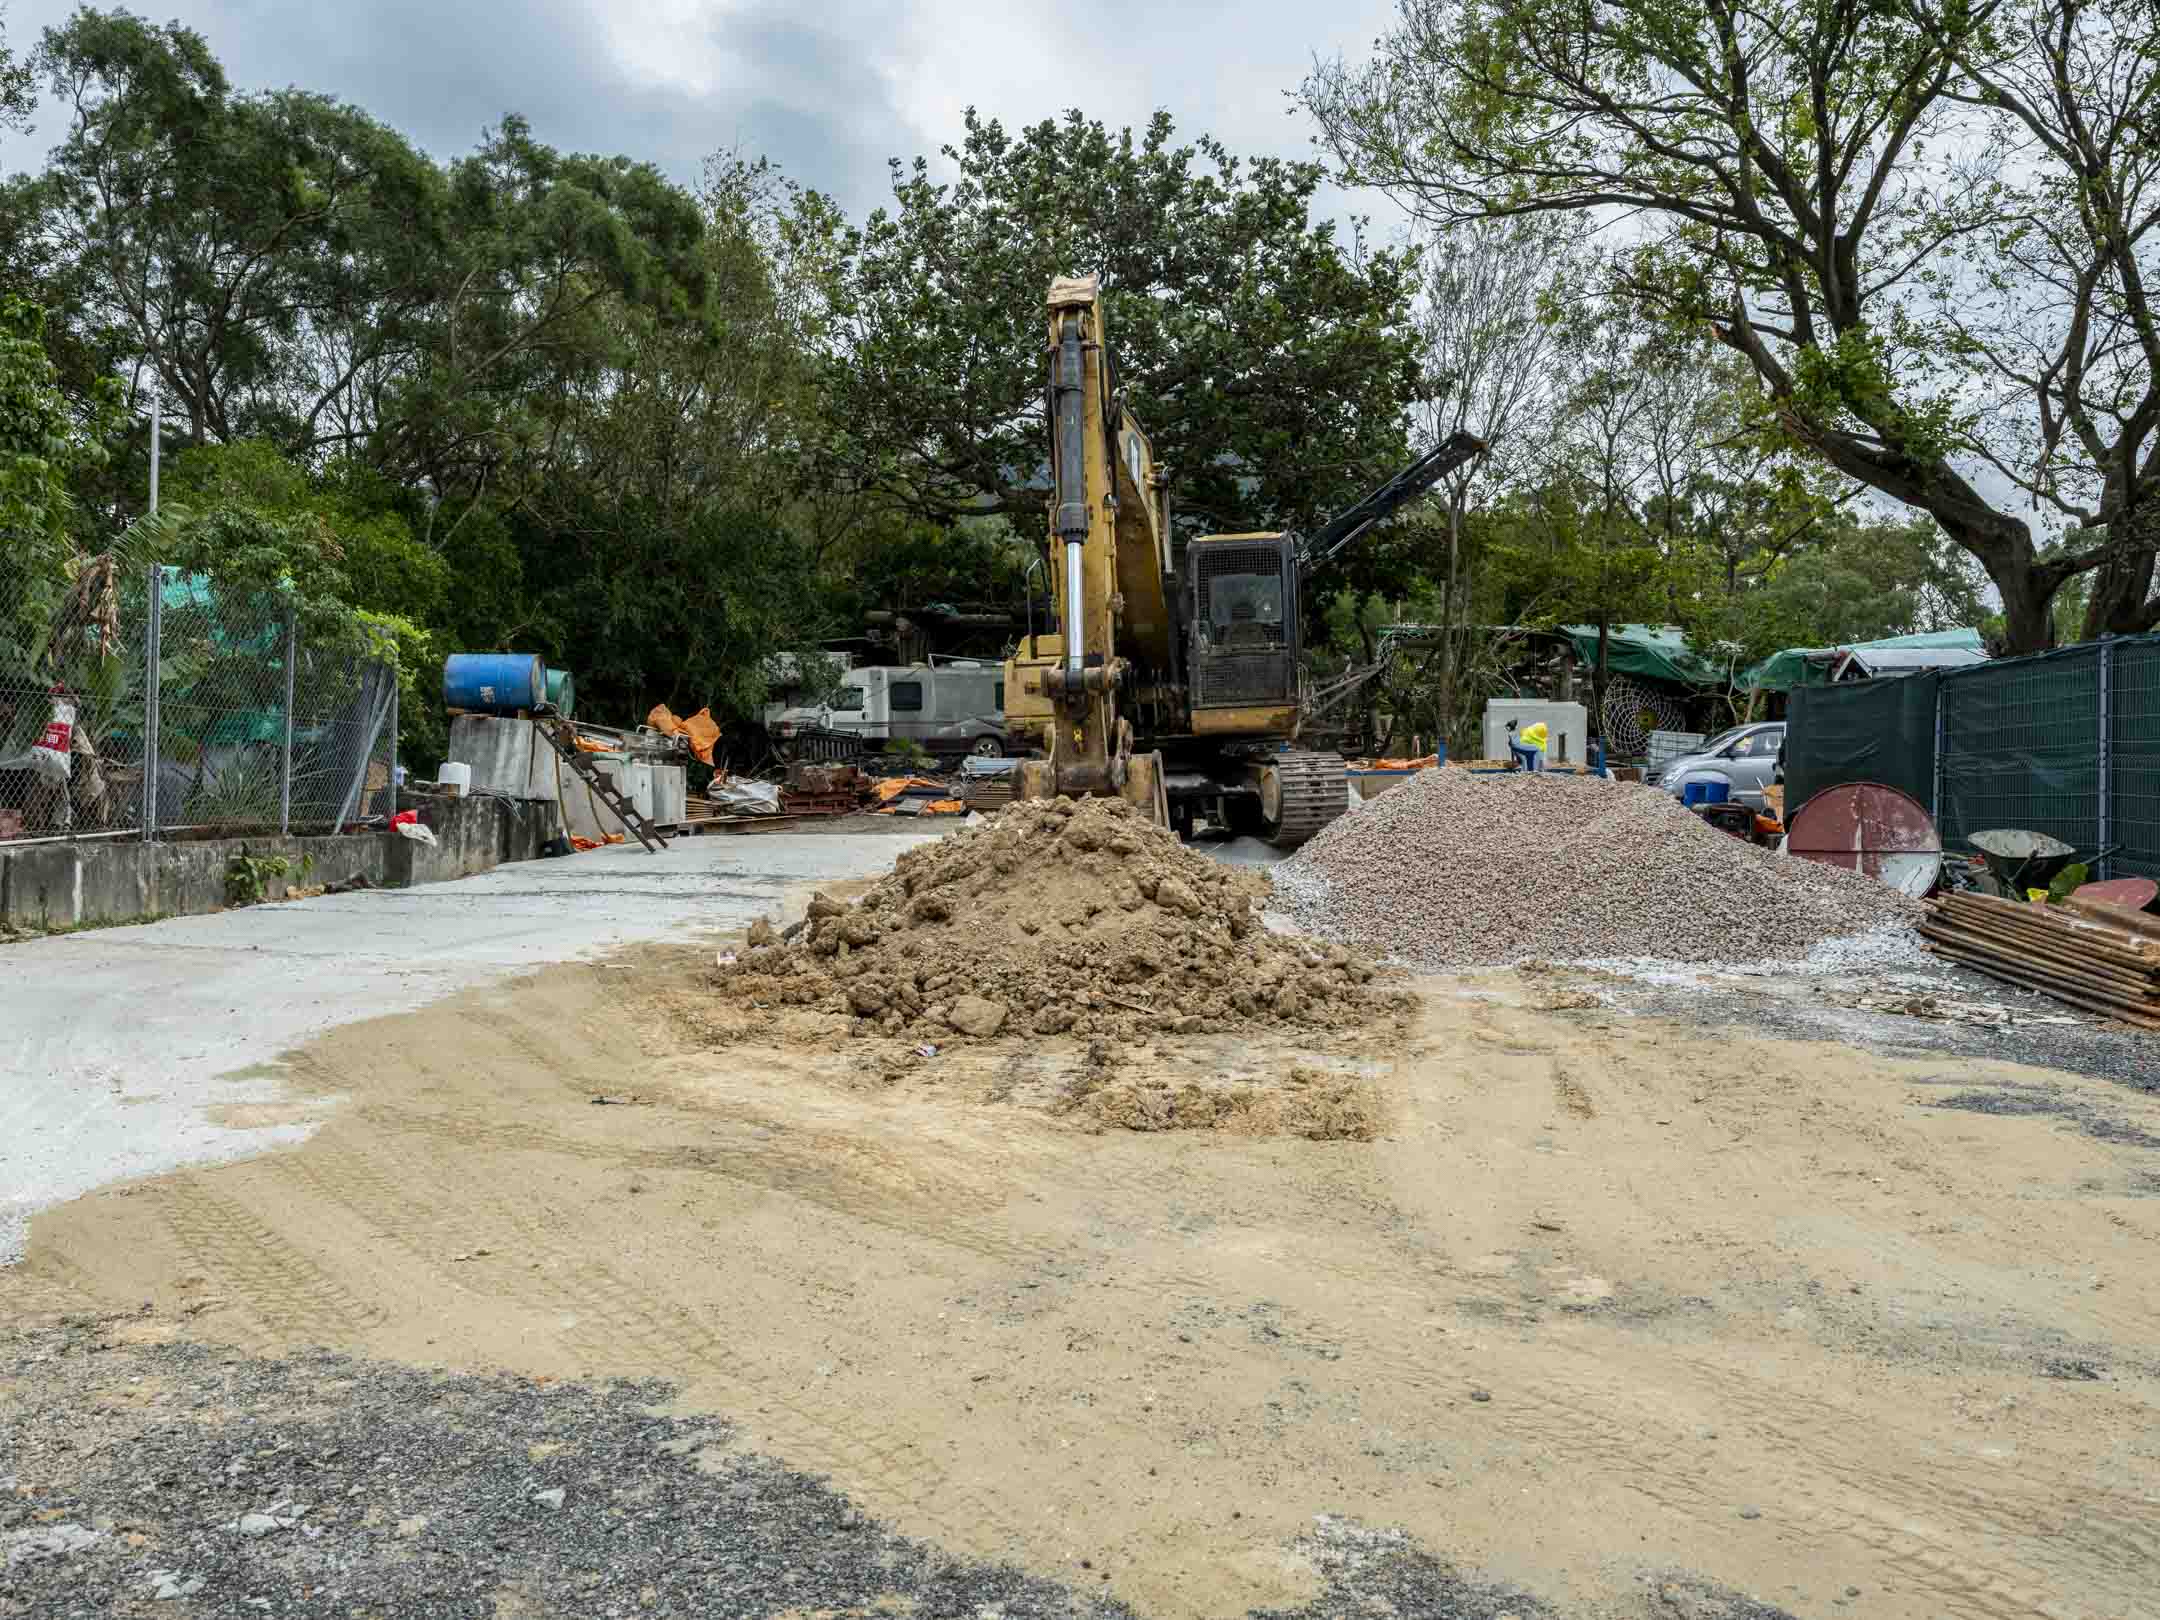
(72,700)
(2065,743)
(143,701)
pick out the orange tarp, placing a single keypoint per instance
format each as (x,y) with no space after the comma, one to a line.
(702,730)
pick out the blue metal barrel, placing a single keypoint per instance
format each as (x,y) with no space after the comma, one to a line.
(561,692)
(494,683)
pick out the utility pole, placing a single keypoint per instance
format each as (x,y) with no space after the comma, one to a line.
(157,437)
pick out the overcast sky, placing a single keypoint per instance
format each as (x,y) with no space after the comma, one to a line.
(830,89)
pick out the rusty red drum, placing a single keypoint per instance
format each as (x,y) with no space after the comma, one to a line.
(1867,827)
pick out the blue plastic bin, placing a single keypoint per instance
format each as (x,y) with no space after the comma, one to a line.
(1694,793)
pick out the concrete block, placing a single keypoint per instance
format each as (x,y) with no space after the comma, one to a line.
(507,756)
(472,835)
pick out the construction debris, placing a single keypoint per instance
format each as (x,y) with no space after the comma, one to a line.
(1058,916)
(1459,870)
(2085,953)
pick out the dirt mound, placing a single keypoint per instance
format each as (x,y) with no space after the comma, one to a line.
(1057,917)
(1456,870)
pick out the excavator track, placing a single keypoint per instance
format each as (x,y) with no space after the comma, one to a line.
(1300,794)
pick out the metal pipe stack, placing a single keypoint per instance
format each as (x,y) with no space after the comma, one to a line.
(2101,958)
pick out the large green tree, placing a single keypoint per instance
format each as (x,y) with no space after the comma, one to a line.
(284,267)
(1270,362)
(1793,172)
(213,239)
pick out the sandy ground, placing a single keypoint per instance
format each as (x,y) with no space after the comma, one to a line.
(1611,1298)
(113,1040)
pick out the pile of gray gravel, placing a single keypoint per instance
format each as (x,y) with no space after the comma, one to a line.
(1459,870)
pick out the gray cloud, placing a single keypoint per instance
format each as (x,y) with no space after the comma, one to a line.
(829,89)
(443,74)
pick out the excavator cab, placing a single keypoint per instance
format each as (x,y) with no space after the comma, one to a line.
(1241,594)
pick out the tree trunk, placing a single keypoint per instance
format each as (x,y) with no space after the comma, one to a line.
(2003,546)
(2028,626)
(2122,595)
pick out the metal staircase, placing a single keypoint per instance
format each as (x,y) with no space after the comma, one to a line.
(562,737)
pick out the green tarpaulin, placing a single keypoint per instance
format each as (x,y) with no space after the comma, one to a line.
(1656,652)
(1810,666)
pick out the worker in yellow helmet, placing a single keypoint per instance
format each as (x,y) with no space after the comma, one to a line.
(1528,747)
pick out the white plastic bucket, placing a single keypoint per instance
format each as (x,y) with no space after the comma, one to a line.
(455,775)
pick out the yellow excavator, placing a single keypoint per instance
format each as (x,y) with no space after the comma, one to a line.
(1173,676)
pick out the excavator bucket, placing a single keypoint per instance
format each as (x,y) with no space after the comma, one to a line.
(1145,787)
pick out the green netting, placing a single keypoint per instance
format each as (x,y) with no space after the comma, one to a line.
(2134,731)
(2021,748)
(1862,731)
(1657,652)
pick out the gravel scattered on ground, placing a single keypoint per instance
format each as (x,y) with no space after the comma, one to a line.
(326,1486)
(1456,870)
(142,1474)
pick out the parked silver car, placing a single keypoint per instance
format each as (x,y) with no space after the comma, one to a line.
(1744,759)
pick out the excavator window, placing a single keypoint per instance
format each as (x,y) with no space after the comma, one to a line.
(1245,610)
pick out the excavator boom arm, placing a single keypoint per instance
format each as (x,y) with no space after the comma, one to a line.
(1384,500)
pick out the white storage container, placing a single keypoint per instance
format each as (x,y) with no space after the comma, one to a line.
(1567,728)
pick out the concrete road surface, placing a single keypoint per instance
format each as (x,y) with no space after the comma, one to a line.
(114,1042)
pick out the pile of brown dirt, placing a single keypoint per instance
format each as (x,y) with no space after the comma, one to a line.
(1058,917)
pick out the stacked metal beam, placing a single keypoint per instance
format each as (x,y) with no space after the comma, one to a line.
(2098,957)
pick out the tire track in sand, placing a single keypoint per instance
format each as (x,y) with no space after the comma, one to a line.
(291,1298)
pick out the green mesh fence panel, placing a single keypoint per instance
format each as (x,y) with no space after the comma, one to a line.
(1861,731)
(2134,733)
(2021,748)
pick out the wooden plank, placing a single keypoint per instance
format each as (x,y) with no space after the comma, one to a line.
(2034,976)
(2051,922)
(2058,916)
(2086,1000)
(2068,964)
(2135,922)
(2129,989)
(2081,946)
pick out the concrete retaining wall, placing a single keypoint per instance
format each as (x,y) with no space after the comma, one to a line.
(115,880)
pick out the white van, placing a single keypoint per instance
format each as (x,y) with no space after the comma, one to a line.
(950,706)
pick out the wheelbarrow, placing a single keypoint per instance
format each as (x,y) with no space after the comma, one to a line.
(2020,860)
